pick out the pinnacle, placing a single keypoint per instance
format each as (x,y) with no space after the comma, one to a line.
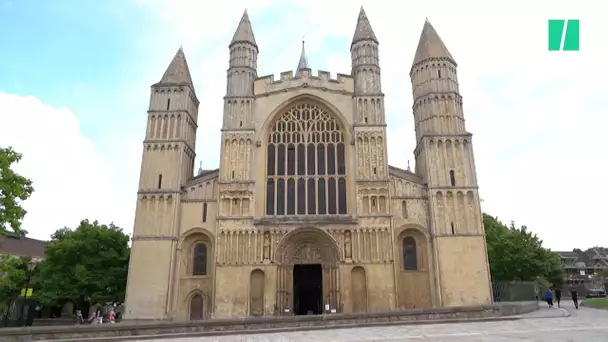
(178,71)
(430,45)
(364,30)
(303,62)
(244,32)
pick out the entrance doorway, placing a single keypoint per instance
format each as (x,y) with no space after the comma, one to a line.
(307,289)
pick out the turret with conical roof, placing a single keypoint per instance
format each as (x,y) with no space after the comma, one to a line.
(370,124)
(243,59)
(239,103)
(366,73)
(435,87)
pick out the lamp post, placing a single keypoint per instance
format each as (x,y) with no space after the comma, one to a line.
(31,266)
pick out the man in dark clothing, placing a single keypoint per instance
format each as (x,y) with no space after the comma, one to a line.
(574,295)
(558,296)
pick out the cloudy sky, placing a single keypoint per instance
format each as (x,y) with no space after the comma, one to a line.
(75,77)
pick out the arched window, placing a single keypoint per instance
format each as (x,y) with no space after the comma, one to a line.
(452,178)
(199,259)
(197,305)
(306,164)
(404,209)
(410,256)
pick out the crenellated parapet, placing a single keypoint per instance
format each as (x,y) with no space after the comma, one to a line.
(267,85)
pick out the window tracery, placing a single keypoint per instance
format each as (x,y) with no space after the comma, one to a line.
(306,164)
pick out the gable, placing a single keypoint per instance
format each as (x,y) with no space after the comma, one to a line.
(202,187)
(406,184)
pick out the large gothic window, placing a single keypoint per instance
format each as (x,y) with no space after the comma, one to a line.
(306,169)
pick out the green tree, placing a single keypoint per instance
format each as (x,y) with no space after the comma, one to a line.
(14,276)
(88,264)
(518,254)
(14,188)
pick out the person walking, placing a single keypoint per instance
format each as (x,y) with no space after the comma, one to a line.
(574,295)
(558,296)
(549,297)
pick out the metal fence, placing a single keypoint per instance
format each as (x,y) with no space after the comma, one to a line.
(514,291)
(16,312)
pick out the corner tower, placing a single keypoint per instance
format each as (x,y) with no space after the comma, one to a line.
(369,119)
(444,158)
(167,163)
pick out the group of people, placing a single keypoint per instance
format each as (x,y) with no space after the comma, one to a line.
(96,317)
(558,297)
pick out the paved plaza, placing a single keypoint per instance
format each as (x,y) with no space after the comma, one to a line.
(588,325)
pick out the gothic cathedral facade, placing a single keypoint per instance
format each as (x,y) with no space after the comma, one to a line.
(304,214)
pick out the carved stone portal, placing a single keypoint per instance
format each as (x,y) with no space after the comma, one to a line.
(307,246)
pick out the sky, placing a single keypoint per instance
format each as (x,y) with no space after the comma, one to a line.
(75,81)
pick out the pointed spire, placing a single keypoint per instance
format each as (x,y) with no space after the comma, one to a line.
(178,71)
(364,30)
(303,63)
(430,45)
(244,32)
(408,166)
(200,168)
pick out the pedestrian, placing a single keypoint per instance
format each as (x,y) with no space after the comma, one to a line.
(558,297)
(549,297)
(111,316)
(574,295)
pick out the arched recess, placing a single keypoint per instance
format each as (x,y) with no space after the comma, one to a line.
(308,246)
(307,152)
(256,293)
(414,283)
(196,246)
(197,303)
(358,288)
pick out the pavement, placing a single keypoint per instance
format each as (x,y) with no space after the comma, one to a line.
(547,324)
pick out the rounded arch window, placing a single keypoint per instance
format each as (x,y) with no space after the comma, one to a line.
(306,163)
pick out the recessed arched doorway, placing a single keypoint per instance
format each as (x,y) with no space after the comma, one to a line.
(308,274)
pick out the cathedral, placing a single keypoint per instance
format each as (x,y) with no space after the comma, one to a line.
(304,214)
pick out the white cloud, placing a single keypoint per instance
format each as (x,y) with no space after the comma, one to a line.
(71,180)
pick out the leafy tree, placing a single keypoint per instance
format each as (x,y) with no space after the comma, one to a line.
(88,264)
(517,254)
(14,276)
(13,189)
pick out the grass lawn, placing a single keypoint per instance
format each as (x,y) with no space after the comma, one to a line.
(596,303)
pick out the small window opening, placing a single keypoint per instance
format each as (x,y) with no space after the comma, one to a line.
(365,119)
(452,178)
(233,174)
(204,212)
(452,225)
(375,170)
(160,181)
(439,73)
(168,103)
(235,201)
(404,209)
(373,201)
(240,123)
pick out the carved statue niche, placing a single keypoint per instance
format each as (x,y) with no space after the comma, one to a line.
(266,245)
(348,246)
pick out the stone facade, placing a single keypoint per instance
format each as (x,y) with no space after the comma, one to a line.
(304,212)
